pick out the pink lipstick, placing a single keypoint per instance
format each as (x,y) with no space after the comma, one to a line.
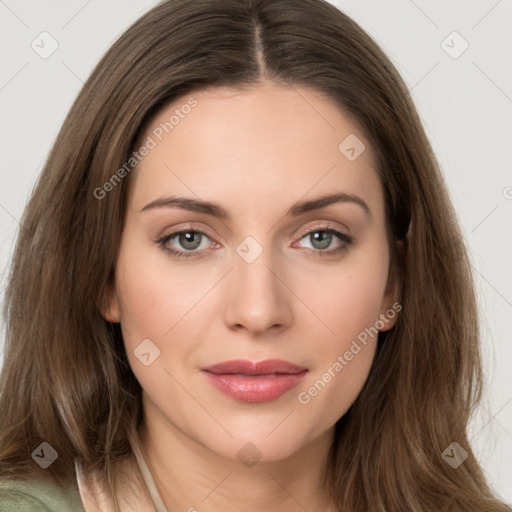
(255,382)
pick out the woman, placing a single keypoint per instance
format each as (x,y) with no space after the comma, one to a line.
(240,282)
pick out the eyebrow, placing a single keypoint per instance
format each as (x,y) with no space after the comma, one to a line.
(215,210)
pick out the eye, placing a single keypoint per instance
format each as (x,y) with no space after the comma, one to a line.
(322,239)
(185,243)
(191,243)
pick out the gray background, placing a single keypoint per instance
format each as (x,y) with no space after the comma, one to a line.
(465,103)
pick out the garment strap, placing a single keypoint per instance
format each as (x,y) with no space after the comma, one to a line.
(148,478)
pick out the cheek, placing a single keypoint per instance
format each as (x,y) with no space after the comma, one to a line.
(334,387)
(348,303)
(160,304)
(154,294)
(144,300)
(343,358)
(150,308)
(345,300)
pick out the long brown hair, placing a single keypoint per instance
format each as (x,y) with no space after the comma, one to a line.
(66,379)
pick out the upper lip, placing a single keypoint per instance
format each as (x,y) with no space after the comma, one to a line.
(245,367)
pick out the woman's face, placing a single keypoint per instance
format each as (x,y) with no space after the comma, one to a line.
(261,271)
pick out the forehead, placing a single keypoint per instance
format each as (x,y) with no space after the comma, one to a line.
(255,145)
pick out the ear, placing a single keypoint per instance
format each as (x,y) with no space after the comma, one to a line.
(391,300)
(110,309)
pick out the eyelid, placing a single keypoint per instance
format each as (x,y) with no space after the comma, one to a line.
(319,226)
(187,227)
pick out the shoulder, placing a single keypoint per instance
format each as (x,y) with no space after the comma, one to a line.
(37,496)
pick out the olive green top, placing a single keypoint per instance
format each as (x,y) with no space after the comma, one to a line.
(38,496)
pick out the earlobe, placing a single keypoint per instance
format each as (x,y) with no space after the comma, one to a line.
(391,301)
(389,313)
(389,317)
(110,319)
(110,309)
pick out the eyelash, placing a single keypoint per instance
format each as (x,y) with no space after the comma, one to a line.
(346,239)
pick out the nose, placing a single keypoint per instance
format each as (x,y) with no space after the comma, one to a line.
(258,300)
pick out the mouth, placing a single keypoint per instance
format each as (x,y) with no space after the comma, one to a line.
(254,382)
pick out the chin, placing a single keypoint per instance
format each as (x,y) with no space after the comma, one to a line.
(251,445)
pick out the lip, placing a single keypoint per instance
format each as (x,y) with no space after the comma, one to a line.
(254,382)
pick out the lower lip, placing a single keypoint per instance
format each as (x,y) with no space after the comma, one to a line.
(256,388)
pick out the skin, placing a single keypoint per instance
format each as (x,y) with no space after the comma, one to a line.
(254,153)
